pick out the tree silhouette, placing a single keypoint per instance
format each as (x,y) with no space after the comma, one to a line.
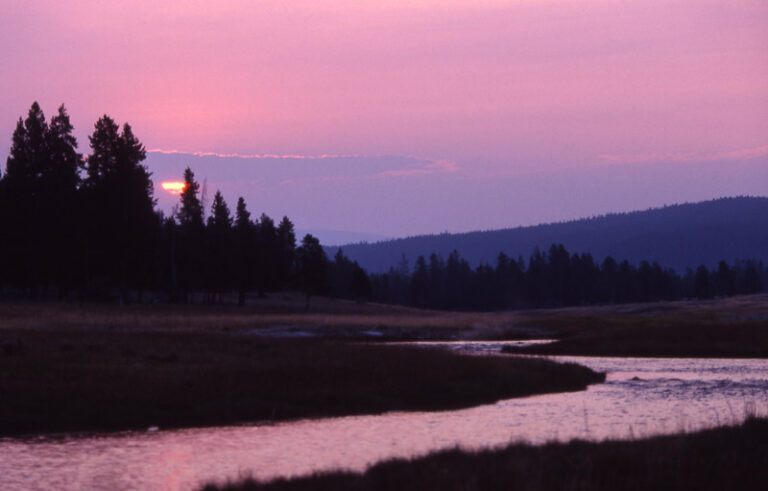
(341,275)
(702,288)
(359,283)
(312,268)
(39,201)
(286,250)
(219,262)
(220,217)
(120,198)
(267,252)
(418,292)
(752,277)
(24,187)
(63,204)
(556,278)
(245,251)
(190,214)
(191,233)
(724,284)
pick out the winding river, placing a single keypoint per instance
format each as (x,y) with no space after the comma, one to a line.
(641,397)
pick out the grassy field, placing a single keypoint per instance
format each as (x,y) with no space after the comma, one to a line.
(54,380)
(328,317)
(719,459)
(725,328)
(732,326)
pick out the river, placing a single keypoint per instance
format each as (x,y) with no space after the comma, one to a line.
(641,397)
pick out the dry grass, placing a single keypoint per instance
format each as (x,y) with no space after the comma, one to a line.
(328,316)
(664,323)
(734,327)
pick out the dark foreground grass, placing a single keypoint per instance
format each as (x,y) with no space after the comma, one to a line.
(73,380)
(720,459)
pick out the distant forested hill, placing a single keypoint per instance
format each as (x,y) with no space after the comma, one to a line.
(678,236)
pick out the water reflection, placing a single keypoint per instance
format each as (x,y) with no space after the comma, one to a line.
(475,347)
(641,397)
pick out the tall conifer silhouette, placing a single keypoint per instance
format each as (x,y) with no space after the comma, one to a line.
(245,251)
(191,233)
(39,203)
(218,257)
(312,267)
(120,202)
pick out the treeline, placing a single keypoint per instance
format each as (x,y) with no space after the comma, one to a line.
(552,279)
(85,227)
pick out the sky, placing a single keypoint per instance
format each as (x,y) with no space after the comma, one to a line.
(403,117)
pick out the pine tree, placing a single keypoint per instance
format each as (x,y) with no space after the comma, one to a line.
(62,204)
(26,160)
(191,236)
(360,283)
(286,250)
(104,150)
(245,251)
(702,289)
(39,208)
(218,258)
(190,214)
(242,215)
(341,271)
(120,202)
(418,291)
(312,267)
(220,217)
(266,254)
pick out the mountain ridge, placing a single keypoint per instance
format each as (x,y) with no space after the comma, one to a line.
(678,236)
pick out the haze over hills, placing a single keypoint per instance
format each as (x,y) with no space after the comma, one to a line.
(336,237)
(678,236)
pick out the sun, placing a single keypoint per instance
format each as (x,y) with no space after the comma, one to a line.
(173,187)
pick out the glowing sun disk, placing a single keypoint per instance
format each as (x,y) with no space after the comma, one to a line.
(173,187)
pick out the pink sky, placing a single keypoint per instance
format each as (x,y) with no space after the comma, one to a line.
(470,91)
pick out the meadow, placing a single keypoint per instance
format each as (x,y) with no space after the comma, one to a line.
(735,327)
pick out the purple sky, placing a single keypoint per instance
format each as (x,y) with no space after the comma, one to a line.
(420,116)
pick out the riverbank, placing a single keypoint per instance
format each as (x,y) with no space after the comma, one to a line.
(717,459)
(724,328)
(70,380)
(729,327)
(280,314)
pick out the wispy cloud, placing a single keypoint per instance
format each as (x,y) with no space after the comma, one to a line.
(422,168)
(436,167)
(741,154)
(336,168)
(271,156)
